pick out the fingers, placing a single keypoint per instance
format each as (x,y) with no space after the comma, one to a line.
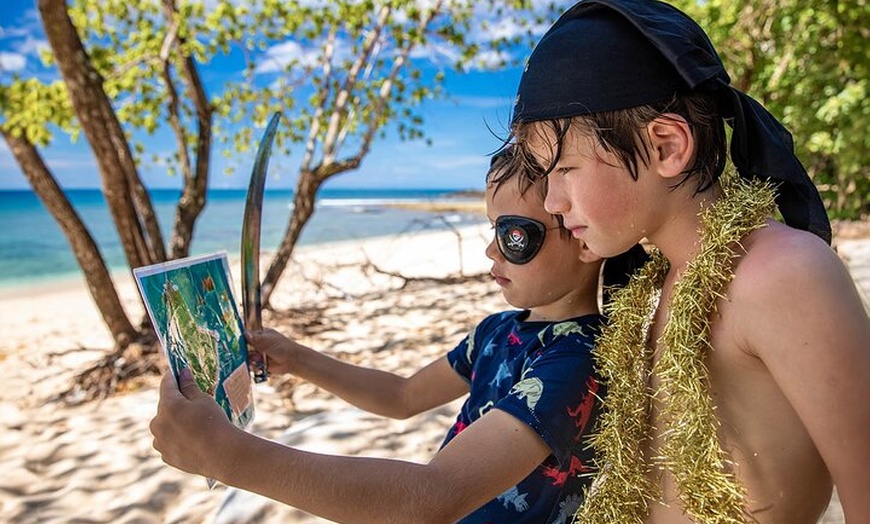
(184,416)
(185,388)
(187,385)
(169,394)
(265,340)
(156,429)
(174,410)
(168,387)
(253,336)
(279,349)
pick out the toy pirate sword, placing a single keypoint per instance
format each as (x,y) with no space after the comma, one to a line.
(251,305)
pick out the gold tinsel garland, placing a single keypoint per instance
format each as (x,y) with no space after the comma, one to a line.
(691,452)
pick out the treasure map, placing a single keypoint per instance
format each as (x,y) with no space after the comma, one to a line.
(190,303)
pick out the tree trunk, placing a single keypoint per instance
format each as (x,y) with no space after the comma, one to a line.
(136,224)
(303,209)
(145,211)
(193,196)
(84,248)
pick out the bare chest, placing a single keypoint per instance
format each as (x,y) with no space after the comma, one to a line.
(764,443)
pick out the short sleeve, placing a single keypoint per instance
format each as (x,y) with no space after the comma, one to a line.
(460,357)
(556,394)
(463,356)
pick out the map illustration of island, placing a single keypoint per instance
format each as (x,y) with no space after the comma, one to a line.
(191,306)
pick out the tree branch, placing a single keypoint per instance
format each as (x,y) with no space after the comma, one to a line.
(193,196)
(386,87)
(172,104)
(326,61)
(341,99)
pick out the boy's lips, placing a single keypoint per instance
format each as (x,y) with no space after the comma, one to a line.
(500,280)
(576,231)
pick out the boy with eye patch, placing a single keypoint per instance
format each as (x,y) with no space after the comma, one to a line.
(516,452)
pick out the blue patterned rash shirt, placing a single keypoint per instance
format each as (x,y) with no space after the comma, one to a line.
(542,374)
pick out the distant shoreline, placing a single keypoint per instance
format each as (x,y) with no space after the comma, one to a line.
(461,201)
(75,280)
(35,250)
(444,206)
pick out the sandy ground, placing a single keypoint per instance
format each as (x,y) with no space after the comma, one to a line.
(93,462)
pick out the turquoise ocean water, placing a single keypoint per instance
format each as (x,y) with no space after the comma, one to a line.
(33,248)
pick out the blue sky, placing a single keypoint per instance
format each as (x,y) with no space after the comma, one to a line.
(457,126)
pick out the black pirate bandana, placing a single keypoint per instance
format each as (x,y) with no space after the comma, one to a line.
(604,55)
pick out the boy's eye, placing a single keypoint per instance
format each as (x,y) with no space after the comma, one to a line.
(563,170)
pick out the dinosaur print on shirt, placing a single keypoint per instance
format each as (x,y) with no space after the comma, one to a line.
(542,374)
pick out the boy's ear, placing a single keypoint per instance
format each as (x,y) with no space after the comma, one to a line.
(672,145)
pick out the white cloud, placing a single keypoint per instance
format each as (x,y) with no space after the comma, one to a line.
(456,162)
(21,41)
(279,56)
(31,46)
(490,59)
(437,52)
(485,28)
(446,55)
(506,28)
(11,62)
(27,22)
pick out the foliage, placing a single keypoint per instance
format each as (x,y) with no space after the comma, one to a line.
(360,67)
(130,43)
(33,108)
(807,62)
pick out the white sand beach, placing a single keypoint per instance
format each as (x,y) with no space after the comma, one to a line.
(93,462)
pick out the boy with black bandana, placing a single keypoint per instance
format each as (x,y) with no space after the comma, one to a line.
(736,360)
(516,452)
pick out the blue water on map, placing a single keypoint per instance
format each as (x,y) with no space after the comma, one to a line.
(33,247)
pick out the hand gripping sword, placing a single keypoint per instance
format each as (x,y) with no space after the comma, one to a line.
(251,304)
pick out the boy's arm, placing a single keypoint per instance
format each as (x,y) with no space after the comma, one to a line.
(497,451)
(375,391)
(805,320)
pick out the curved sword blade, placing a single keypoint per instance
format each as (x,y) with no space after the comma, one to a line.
(251,305)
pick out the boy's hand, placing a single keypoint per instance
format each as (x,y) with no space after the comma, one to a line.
(187,426)
(280,351)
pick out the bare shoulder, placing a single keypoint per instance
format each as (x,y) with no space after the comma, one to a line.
(787,261)
(789,279)
(794,306)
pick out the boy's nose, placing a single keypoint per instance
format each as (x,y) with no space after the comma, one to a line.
(491,250)
(554,202)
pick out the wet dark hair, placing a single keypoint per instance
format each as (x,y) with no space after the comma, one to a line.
(506,165)
(623,133)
